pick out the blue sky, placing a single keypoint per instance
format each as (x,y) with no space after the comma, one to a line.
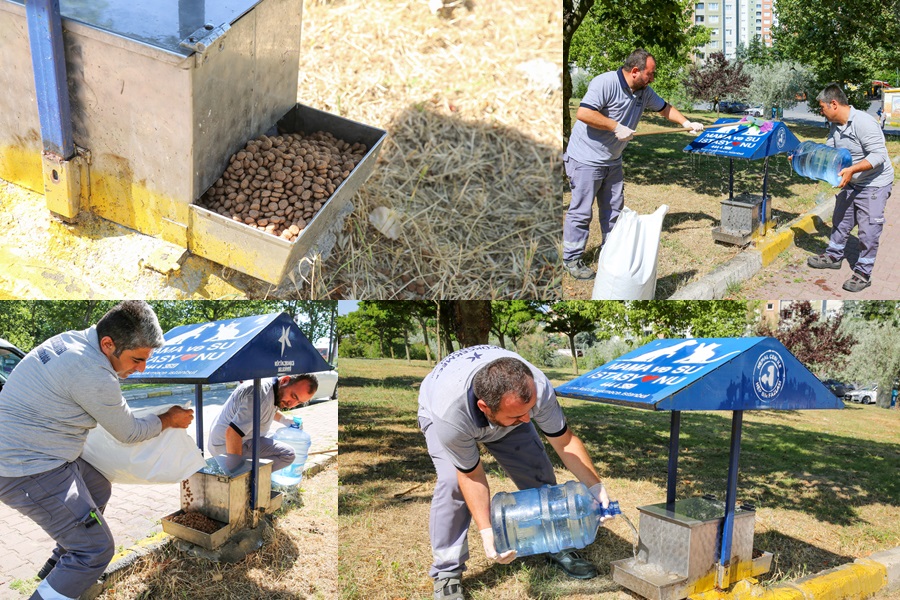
(347,306)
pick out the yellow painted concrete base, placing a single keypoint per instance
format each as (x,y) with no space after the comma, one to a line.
(854,581)
(774,244)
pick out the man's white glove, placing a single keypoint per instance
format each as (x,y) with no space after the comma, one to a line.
(487,538)
(599,493)
(623,134)
(693,126)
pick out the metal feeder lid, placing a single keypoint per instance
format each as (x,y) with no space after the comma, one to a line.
(232,350)
(744,141)
(162,24)
(705,374)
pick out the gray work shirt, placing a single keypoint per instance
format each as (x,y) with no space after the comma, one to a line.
(447,400)
(61,390)
(609,95)
(237,413)
(863,137)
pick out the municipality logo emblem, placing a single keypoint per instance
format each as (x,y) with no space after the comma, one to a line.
(284,339)
(768,375)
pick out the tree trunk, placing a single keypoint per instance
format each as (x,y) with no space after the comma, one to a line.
(437,328)
(472,320)
(574,12)
(574,354)
(425,337)
(406,343)
(391,346)
(502,340)
(445,315)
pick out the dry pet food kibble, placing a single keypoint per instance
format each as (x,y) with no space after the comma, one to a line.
(198,521)
(278,183)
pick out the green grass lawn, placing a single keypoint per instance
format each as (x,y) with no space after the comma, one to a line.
(824,483)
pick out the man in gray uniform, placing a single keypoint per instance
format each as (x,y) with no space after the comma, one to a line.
(605,122)
(490,395)
(866,186)
(61,390)
(232,433)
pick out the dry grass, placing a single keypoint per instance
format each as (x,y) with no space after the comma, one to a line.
(472,152)
(299,560)
(823,483)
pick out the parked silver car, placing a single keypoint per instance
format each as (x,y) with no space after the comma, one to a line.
(10,356)
(867,394)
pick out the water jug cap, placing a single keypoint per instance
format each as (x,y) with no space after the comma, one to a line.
(298,422)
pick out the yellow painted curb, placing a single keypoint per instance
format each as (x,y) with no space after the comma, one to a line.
(158,394)
(854,581)
(773,245)
(140,544)
(858,580)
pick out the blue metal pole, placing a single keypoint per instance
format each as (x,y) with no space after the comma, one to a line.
(731,495)
(49,62)
(763,208)
(674,433)
(198,416)
(254,470)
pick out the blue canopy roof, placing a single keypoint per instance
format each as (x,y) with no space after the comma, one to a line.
(744,141)
(705,374)
(232,350)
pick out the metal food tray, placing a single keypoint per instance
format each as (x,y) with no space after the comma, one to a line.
(210,541)
(262,254)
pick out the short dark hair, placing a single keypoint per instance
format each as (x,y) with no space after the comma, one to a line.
(131,324)
(309,377)
(500,377)
(638,59)
(831,92)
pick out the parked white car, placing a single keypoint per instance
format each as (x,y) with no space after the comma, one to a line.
(754,111)
(867,394)
(327,385)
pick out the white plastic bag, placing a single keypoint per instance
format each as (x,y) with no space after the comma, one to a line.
(168,458)
(626,269)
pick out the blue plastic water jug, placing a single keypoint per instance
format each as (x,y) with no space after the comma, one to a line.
(547,519)
(299,440)
(818,161)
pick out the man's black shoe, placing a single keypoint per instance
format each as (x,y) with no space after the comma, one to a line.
(573,564)
(45,570)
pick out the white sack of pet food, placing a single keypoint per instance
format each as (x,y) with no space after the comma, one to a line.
(626,269)
(170,457)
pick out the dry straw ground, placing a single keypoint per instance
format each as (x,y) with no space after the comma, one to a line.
(299,560)
(472,156)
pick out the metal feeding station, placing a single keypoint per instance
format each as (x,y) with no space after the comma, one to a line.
(223,351)
(139,106)
(694,545)
(745,217)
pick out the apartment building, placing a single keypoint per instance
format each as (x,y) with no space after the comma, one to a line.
(734,23)
(774,311)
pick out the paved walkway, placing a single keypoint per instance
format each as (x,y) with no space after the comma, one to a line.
(134,511)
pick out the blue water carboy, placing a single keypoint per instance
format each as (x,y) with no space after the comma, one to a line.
(547,519)
(818,161)
(299,440)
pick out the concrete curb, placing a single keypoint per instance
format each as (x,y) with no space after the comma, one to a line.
(859,579)
(124,559)
(745,265)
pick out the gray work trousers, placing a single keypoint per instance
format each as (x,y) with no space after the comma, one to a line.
(521,454)
(61,501)
(279,453)
(607,185)
(863,206)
